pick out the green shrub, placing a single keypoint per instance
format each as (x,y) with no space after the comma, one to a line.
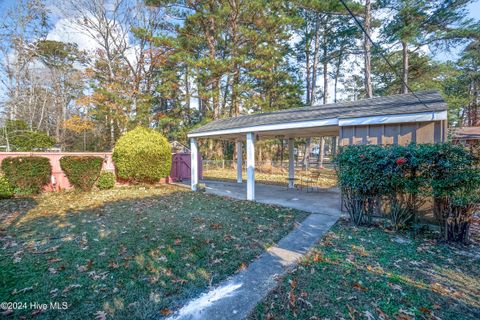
(455,187)
(27,175)
(21,138)
(81,171)
(404,175)
(6,189)
(106,181)
(364,174)
(142,155)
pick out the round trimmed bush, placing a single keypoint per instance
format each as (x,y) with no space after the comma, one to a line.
(106,181)
(81,171)
(27,175)
(142,155)
(6,189)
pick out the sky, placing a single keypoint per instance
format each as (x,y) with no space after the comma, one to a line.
(61,31)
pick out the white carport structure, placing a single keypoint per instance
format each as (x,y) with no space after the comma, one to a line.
(398,119)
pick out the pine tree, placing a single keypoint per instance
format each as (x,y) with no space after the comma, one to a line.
(418,23)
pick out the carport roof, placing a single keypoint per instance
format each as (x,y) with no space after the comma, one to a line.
(332,114)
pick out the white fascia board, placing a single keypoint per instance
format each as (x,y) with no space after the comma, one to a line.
(268,127)
(399,118)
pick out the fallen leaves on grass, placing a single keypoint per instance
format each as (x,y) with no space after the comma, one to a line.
(95,276)
(15,291)
(359,287)
(166,312)
(86,267)
(49,250)
(317,257)
(6,313)
(70,287)
(37,312)
(100,315)
(360,250)
(243,266)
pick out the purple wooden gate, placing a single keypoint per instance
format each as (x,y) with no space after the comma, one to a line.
(181,167)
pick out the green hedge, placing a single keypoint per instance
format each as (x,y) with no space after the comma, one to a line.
(81,171)
(106,181)
(142,155)
(6,189)
(406,174)
(27,175)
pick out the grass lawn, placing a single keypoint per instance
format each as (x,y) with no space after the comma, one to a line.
(327,178)
(370,273)
(129,252)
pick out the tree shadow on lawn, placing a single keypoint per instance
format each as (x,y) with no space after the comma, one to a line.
(11,210)
(136,258)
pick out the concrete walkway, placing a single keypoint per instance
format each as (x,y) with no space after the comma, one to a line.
(237,296)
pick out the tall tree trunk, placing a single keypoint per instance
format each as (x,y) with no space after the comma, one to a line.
(321,152)
(337,75)
(201,103)
(405,67)
(187,87)
(306,156)
(325,74)
(367,47)
(307,69)
(234,110)
(315,60)
(236,83)
(112,132)
(215,98)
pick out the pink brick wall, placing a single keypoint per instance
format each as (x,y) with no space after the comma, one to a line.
(180,166)
(59,181)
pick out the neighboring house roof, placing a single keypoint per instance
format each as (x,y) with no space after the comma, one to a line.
(466,133)
(401,104)
(177,147)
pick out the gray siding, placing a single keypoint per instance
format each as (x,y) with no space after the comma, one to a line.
(397,133)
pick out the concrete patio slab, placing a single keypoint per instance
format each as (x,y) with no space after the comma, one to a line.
(237,296)
(324,201)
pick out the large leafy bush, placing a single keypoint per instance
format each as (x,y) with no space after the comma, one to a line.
(27,175)
(81,171)
(404,175)
(6,189)
(454,181)
(142,155)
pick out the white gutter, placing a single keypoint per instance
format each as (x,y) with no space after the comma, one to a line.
(400,118)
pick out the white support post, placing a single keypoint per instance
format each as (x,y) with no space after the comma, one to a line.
(194,163)
(251,166)
(239,161)
(291,164)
